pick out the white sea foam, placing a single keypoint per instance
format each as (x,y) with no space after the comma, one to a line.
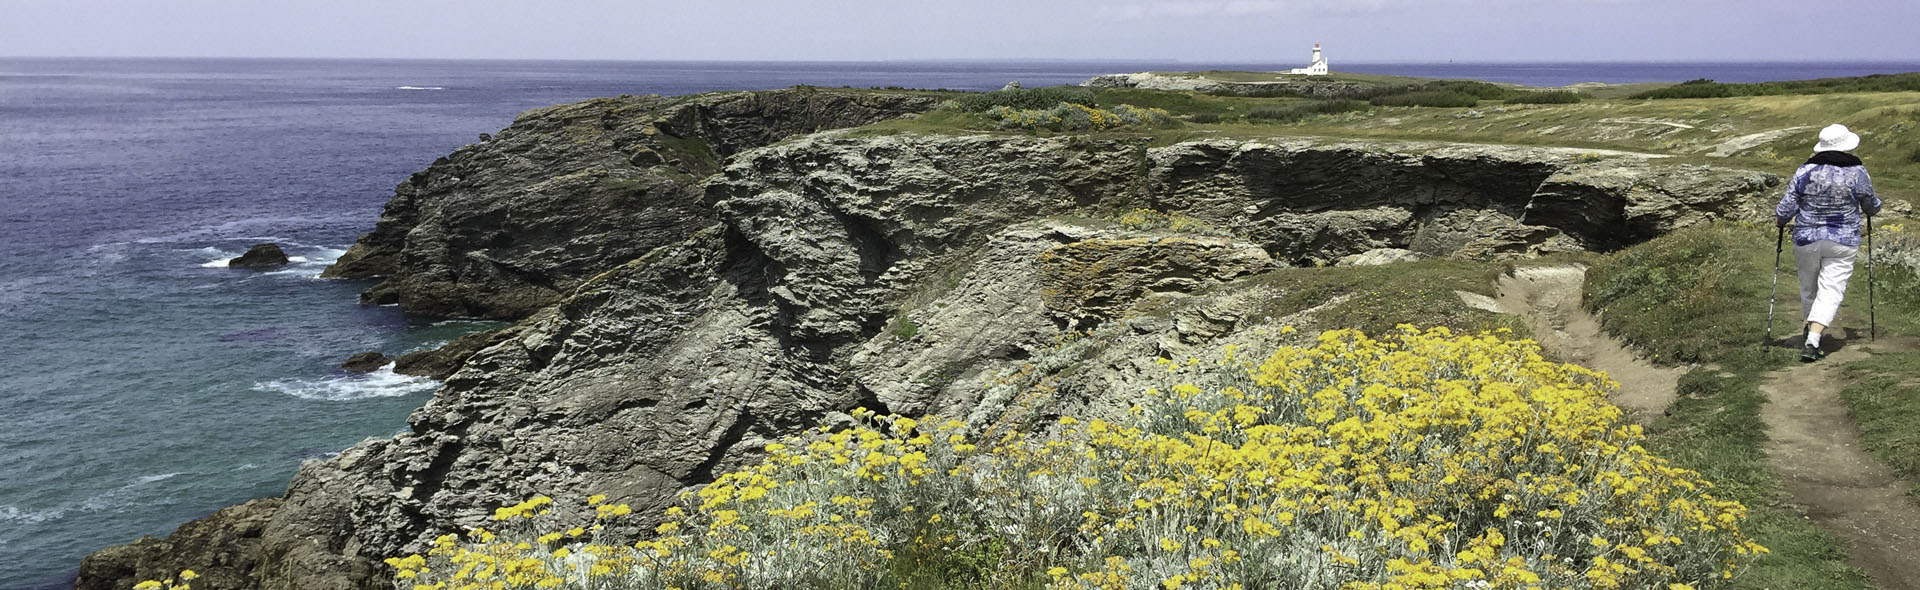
(419,88)
(15,514)
(381,383)
(114,499)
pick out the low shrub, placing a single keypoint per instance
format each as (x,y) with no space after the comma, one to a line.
(1697,88)
(1307,109)
(1203,118)
(1704,88)
(1418,460)
(1025,98)
(1549,97)
(1428,98)
(1480,90)
(1076,117)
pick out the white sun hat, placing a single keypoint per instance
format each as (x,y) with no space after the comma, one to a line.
(1836,138)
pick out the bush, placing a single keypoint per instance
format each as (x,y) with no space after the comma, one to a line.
(1203,118)
(1077,117)
(1480,90)
(1025,98)
(1428,98)
(1698,88)
(1704,88)
(1417,460)
(1550,97)
(1307,109)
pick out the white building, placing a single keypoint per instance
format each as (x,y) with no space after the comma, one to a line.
(1319,66)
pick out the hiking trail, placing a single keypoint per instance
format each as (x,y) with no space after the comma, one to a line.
(1815,446)
(1549,299)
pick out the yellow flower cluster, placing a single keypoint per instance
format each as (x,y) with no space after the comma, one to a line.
(1418,460)
(180,582)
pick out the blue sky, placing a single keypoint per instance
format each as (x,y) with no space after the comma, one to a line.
(1192,30)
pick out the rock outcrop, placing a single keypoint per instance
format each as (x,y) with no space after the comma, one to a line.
(260,256)
(903,273)
(365,362)
(502,228)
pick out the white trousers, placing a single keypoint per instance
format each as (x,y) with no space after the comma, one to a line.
(1824,268)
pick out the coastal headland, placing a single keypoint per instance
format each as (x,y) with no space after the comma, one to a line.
(693,279)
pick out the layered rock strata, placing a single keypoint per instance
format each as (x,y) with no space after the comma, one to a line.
(976,276)
(504,227)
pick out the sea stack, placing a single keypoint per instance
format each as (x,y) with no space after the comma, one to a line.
(260,256)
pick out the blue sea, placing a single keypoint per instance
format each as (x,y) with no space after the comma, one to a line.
(143,383)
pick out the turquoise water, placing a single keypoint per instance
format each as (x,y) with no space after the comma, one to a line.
(143,384)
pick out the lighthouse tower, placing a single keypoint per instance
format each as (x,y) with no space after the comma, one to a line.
(1317,68)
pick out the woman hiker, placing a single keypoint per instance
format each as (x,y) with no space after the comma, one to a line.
(1825,202)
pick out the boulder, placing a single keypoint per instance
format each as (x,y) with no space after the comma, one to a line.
(441,363)
(366,362)
(260,256)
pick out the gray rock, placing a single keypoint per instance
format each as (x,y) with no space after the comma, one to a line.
(365,362)
(1379,256)
(260,256)
(502,228)
(441,363)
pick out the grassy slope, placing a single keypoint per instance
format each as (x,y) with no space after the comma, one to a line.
(1700,296)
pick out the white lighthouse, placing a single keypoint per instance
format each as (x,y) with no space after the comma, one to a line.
(1317,68)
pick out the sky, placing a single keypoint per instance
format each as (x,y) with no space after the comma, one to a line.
(1184,30)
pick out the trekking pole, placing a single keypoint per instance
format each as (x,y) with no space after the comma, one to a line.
(1873,327)
(1779,245)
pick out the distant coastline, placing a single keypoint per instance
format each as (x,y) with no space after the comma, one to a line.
(1036,72)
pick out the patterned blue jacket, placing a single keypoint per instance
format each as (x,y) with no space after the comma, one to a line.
(1825,202)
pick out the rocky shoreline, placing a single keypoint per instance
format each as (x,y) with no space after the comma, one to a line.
(695,277)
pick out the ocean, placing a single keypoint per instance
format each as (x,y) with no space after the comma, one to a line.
(143,383)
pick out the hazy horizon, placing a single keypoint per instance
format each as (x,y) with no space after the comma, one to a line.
(1171,31)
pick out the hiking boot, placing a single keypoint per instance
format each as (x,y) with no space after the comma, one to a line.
(1810,353)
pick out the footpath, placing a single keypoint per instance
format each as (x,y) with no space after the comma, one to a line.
(1814,443)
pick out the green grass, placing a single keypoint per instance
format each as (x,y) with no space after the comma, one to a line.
(1693,296)
(1884,397)
(1699,295)
(693,151)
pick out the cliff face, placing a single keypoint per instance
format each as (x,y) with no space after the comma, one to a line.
(908,274)
(504,227)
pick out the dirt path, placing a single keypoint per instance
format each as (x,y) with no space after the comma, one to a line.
(1815,447)
(1815,444)
(1548,297)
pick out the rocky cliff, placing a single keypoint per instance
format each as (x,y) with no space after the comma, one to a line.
(988,276)
(504,227)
